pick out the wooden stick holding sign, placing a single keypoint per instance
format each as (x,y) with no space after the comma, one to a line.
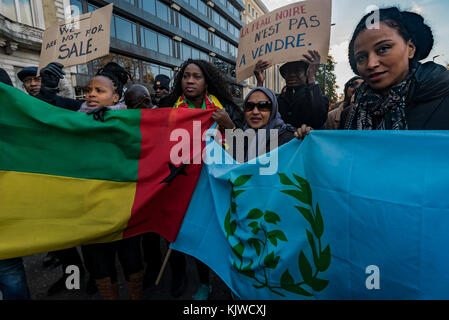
(284,35)
(84,39)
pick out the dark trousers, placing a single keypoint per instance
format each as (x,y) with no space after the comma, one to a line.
(103,257)
(69,257)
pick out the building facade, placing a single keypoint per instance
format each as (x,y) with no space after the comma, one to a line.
(148,37)
(273,80)
(22,23)
(151,37)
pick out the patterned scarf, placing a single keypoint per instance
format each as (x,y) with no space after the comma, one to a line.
(371,111)
(209,102)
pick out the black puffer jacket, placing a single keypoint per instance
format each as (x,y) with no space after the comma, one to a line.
(428,99)
(304,105)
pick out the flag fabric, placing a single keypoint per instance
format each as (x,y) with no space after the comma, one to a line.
(349,215)
(66,179)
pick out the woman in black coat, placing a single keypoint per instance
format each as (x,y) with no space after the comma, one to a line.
(398,92)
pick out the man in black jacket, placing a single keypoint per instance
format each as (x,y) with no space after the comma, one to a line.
(302,102)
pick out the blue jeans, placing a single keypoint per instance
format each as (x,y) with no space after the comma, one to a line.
(13,282)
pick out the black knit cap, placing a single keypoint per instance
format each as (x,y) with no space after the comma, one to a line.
(162,81)
(411,26)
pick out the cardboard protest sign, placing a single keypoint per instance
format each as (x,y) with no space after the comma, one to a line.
(78,40)
(284,35)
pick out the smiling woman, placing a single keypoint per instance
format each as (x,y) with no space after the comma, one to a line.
(398,92)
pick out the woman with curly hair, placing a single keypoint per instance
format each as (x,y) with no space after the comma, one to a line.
(199,84)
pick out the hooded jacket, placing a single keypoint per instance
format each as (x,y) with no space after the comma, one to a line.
(427,103)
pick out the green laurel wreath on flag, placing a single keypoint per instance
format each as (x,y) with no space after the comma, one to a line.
(321,258)
(262,225)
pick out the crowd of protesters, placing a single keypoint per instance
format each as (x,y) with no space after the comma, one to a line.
(392,91)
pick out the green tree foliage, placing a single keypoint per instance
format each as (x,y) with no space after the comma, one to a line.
(327,79)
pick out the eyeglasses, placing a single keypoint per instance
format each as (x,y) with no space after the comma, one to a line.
(261,106)
(30,79)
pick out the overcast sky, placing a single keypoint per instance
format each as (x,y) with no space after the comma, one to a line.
(347,13)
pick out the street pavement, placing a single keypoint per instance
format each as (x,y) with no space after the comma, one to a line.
(40,279)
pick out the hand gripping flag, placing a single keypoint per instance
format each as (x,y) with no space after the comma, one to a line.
(66,179)
(349,215)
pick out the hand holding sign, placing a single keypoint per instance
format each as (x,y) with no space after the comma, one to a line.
(51,75)
(284,34)
(259,71)
(314,63)
(76,42)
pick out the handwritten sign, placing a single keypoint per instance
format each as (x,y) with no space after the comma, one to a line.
(284,35)
(78,40)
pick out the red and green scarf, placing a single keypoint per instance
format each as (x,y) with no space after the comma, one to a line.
(210,102)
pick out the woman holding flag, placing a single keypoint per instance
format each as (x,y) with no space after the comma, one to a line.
(199,84)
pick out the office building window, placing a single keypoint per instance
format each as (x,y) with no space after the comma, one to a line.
(184,23)
(202,33)
(162,11)
(195,53)
(77,3)
(224,45)
(194,29)
(217,41)
(202,7)
(148,38)
(165,44)
(186,52)
(215,16)
(204,56)
(167,71)
(194,3)
(223,23)
(148,6)
(125,30)
(91,7)
(19,10)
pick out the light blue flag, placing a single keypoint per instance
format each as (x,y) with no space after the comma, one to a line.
(348,215)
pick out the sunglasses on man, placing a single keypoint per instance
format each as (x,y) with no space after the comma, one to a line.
(261,106)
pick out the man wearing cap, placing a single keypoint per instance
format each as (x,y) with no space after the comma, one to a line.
(161,87)
(302,102)
(31,82)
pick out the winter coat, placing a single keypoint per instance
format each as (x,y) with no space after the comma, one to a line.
(304,105)
(49,96)
(427,103)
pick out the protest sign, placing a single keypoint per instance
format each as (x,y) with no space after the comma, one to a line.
(78,40)
(284,35)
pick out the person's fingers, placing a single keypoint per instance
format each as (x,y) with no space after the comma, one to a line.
(309,58)
(57,64)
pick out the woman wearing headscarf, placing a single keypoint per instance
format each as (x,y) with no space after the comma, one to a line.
(262,113)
